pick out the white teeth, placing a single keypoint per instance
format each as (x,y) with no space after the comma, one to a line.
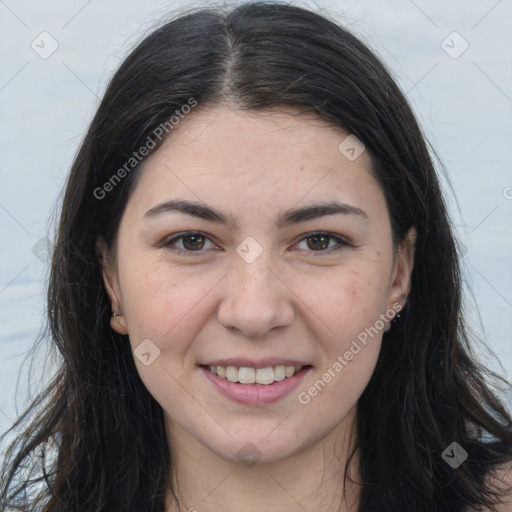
(279,373)
(265,375)
(246,375)
(232,373)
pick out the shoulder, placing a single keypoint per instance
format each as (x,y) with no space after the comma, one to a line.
(502,480)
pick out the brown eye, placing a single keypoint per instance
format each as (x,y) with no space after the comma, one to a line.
(190,244)
(319,242)
(193,242)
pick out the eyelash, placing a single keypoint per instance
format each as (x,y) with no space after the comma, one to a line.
(169,242)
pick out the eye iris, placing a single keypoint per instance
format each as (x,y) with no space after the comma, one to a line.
(323,240)
(191,242)
(195,239)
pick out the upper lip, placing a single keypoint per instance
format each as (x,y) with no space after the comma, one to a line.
(252,363)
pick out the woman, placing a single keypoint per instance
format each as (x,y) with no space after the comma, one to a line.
(255,292)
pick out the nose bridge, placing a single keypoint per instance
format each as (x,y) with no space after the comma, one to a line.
(254,283)
(255,300)
(252,266)
(252,280)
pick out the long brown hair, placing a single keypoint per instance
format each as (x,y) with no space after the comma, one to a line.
(427,391)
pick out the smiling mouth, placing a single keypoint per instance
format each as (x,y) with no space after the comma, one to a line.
(262,376)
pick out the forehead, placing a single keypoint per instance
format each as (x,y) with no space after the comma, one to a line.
(270,157)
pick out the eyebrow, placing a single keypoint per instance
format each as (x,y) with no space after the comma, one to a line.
(293,216)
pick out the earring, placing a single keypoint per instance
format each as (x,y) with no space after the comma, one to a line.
(392,322)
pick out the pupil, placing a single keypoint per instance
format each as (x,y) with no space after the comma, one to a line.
(323,244)
(195,243)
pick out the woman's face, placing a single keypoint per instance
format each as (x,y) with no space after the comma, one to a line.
(255,287)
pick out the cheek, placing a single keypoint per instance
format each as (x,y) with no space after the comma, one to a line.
(349,299)
(163,302)
(166,305)
(350,306)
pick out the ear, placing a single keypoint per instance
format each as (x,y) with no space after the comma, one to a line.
(400,284)
(109,274)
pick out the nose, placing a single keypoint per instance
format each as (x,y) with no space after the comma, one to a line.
(256,299)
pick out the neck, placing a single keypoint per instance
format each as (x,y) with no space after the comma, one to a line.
(311,479)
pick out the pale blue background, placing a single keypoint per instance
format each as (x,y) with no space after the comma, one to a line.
(464,106)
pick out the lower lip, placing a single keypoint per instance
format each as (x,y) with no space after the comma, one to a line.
(256,394)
